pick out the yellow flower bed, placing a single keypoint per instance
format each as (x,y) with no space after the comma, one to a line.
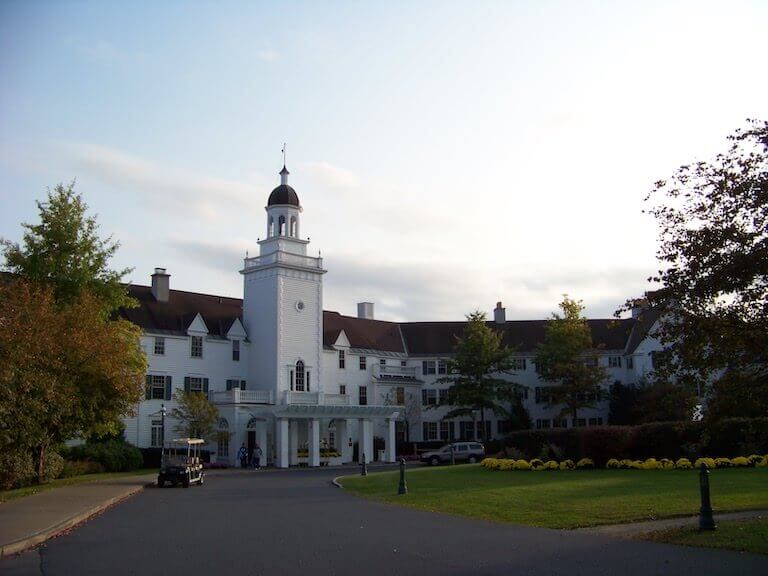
(507,464)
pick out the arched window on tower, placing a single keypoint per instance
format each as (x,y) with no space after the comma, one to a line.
(281,226)
(293,226)
(271,231)
(299,376)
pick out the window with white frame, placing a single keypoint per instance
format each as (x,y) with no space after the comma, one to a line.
(542,423)
(363,392)
(428,367)
(430,431)
(428,397)
(194,384)
(614,361)
(235,383)
(236,350)
(342,360)
(363,363)
(156,441)
(159,348)
(519,364)
(403,363)
(543,395)
(196,347)
(382,361)
(442,396)
(445,431)
(157,384)
(222,444)
(596,421)
(442,367)
(300,375)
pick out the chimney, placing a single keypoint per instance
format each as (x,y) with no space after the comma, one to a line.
(365,310)
(499,314)
(639,305)
(160,285)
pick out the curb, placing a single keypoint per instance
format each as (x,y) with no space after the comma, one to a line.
(52,531)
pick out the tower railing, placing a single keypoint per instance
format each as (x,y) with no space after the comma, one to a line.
(281,257)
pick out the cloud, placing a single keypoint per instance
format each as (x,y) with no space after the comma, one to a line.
(175,189)
(267,55)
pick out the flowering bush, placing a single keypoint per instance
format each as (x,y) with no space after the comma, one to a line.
(489,463)
(585,464)
(537,464)
(506,464)
(764,462)
(651,464)
(683,464)
(740,462)
(567,465)
(551,465)
(710,462)
(755,459)
(522,465)
(666,464)
(722,462)
(612,464)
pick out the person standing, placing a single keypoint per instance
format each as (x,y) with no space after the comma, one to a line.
(257,454)
(242,454)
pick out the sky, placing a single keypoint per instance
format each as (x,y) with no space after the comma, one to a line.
(447,155)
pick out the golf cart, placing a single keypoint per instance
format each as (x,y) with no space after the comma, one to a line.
(180,462)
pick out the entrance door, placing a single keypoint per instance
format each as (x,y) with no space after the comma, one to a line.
(251,444)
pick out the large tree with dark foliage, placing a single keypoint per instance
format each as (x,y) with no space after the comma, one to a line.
(568,359)
(713,233)
(475,372)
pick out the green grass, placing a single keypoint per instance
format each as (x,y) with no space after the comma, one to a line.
(6,495)
(743,535)
(560,499)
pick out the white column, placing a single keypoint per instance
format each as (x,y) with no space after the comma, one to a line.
(390,445)
(261,440)
(344,439)
(293,444)
(365,440)
(282,443)
(314,442)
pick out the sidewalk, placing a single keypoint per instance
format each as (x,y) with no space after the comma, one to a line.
(28,521)
(636,529)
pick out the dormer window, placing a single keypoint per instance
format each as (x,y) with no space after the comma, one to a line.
(196,347)
(159,346)
(342,360)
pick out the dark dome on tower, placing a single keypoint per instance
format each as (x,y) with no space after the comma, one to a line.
(283,194)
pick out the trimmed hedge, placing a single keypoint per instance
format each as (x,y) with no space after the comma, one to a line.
(669,440)
(114,455)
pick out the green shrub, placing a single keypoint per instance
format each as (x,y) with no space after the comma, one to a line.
(80,468)
(54,464)
(113,455)
(16,469)
(735,436)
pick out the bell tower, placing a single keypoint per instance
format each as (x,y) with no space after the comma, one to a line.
(283,301)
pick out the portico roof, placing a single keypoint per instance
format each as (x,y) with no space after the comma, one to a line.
(325,411)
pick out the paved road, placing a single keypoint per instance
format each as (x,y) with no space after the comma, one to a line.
(295,522)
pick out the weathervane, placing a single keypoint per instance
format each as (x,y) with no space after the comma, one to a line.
(284,147)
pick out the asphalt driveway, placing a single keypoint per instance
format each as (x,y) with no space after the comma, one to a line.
(296,522)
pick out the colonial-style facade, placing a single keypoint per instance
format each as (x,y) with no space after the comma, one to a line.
(296,379)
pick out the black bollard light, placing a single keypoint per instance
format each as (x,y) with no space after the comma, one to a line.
(706,520)
(364,467)
(453,458)
(403,487)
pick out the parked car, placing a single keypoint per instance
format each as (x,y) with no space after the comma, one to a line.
(462,452)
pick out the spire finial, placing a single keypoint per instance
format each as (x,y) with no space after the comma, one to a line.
(284,172)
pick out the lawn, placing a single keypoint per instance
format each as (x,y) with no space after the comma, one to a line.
(744,535)
(560,499)
(6,495)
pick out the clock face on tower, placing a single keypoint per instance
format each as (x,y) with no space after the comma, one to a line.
(300,305)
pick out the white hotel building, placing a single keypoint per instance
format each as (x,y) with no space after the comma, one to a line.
(294,378)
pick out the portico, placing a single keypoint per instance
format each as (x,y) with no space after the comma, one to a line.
(297,425)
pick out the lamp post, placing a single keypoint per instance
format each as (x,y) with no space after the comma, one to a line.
(162,425)
(706,520)
(402,487)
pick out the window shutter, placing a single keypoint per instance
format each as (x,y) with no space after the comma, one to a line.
(205,385)
(307,381)
(186,384)
(167,387)
(242,384)
(452,430)
(148,387)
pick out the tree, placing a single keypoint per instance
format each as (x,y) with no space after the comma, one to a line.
(473,372)
(650,402)
(65,252)
(568,358)
(195,416)
(713,248)
(411,409)
(67,370)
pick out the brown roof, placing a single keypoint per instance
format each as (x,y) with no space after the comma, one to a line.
(175,316)
(415,338)
(362,333)
(431,338)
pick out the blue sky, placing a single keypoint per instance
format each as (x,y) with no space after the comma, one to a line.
(447,154)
